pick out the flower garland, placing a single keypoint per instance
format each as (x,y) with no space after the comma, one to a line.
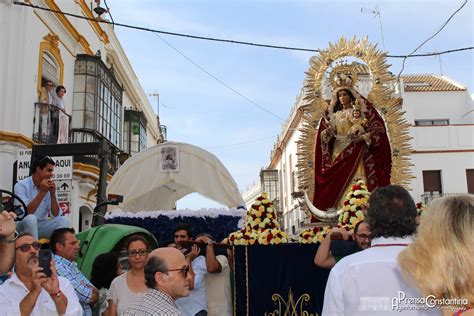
(261,226)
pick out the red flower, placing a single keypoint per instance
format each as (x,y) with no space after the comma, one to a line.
(246,237)
(418,205)
(355,187)
(272,225)
(269,237)
(346,202)
(232,238)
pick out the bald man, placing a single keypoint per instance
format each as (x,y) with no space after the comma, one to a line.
(167,279)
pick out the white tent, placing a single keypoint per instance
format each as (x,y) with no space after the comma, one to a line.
(159,176)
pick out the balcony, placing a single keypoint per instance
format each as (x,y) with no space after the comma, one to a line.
(427,197)
(47,124)
(83,135)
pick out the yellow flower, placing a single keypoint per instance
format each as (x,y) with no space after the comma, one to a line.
(261,208)
(269,215)
(265,201)
(269,209)
(257,221)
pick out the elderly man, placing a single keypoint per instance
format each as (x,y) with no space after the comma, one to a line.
(30,292)
(38,192)
(167,279)
(368,282)
(65,247)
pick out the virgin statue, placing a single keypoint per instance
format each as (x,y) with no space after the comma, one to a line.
(344,137)
(346,149)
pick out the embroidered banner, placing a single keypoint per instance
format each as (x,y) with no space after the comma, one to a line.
(278,280)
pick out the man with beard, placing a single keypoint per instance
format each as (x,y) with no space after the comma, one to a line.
(30,292)
(331,248)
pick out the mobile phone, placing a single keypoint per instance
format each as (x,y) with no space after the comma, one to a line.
(337,236)
(45,261)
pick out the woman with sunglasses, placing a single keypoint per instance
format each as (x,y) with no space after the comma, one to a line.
(129,287)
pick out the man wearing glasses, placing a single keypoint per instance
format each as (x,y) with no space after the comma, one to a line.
(30,292)
(65,247)
(167,279)
(337,244)
(38,192)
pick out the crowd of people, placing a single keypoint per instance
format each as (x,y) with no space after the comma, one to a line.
(176,279)
(390,259)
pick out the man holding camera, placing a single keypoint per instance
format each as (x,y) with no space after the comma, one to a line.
(30,292)
(38,192)
(338,239)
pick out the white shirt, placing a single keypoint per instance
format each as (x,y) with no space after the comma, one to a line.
(369,283)
(13,291)
(197,299)
(218,290)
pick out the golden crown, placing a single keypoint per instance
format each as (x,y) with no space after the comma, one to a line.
(343,75)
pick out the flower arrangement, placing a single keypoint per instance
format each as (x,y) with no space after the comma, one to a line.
(313,235)
(355,205)
(353,210)
(261,226)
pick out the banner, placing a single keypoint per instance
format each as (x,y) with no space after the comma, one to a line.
(278,280)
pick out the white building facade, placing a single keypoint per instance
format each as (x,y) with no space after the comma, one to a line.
(104,100)
(442,128)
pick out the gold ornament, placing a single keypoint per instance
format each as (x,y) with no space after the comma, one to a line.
(380,95)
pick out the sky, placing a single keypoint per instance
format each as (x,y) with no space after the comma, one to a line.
(205,86)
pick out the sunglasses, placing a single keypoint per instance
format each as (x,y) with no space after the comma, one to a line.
(26,247)
(184,271)
(141,252)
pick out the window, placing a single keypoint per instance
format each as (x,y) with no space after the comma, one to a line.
(431,122)
(49,69)
(134,131)
(432,181)
(470,180)
(97,102)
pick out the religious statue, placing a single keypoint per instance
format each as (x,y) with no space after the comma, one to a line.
(345,149)
(356,133)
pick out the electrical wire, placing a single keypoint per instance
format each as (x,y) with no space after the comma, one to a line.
(243,143)
(428,39)
(219,80)
(140,28)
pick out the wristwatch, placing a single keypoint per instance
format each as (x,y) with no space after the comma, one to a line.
(9,241)
(210,242)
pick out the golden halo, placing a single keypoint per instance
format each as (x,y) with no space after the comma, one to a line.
(380,95)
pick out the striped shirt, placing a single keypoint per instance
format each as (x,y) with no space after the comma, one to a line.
(82,286)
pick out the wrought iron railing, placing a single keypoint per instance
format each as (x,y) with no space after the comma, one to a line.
(84,135)
(46,124)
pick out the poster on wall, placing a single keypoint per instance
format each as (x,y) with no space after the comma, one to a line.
(169,159)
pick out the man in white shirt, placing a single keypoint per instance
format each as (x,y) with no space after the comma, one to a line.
(29,292)
(219,301)
(196,302)
(370,282)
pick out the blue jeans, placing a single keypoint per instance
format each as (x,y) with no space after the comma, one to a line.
(42,228)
